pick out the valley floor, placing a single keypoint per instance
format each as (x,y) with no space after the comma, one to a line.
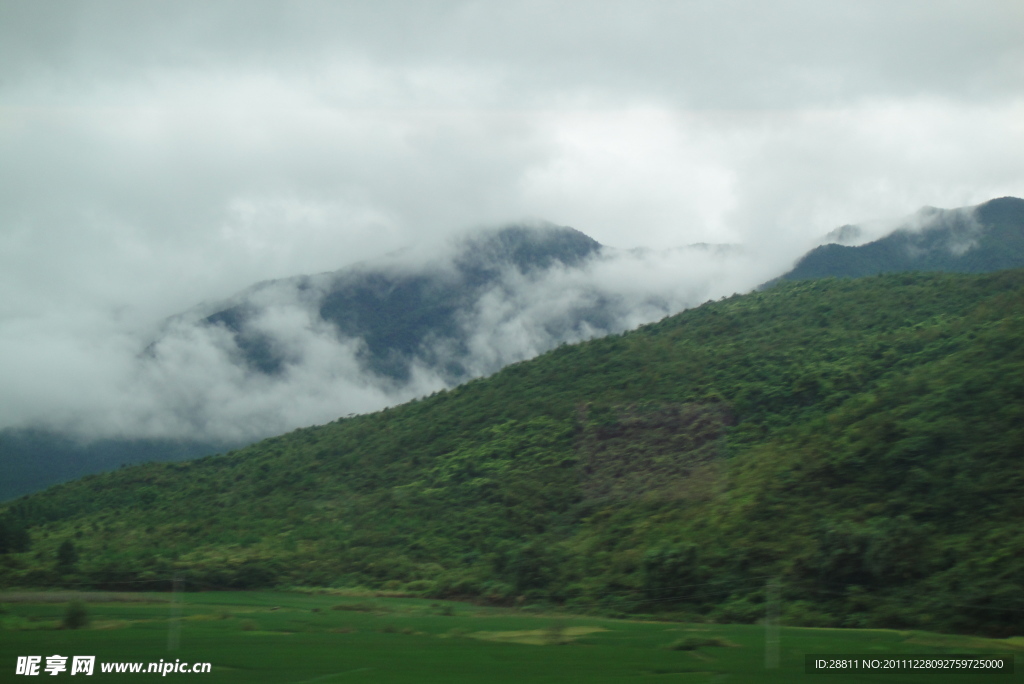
(331,636)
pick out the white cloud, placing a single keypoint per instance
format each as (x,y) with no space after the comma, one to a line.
(156,155)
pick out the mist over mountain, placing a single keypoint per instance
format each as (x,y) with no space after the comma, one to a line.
(297,351)
(404,315)
(978,239)
(304,350)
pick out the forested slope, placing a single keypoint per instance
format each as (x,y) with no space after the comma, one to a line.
(862,440)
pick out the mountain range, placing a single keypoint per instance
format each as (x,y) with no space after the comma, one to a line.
(857,439)
(410,325)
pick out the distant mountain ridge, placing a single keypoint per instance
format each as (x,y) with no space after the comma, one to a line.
(980,239)
(399,312)
(32,459)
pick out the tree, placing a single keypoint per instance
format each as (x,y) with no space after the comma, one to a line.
(13,537)
(76,616)
(67,556)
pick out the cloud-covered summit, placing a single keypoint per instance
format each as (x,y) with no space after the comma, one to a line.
(306,349)
(399,312)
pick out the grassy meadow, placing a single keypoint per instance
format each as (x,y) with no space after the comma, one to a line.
(300,637)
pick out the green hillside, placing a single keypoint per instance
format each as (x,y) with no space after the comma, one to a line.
(861,440)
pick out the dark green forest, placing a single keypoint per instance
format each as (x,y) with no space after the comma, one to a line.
(861,441)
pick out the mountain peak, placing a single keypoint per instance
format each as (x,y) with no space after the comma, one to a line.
(1001,210)
(527,246)
(986,237)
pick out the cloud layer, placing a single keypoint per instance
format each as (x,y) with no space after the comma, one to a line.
(196,381)
(155,155)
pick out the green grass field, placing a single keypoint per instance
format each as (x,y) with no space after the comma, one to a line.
(297,637)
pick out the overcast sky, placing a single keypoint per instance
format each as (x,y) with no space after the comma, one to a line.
(157,154)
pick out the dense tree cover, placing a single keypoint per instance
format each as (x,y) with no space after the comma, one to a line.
(859,440)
